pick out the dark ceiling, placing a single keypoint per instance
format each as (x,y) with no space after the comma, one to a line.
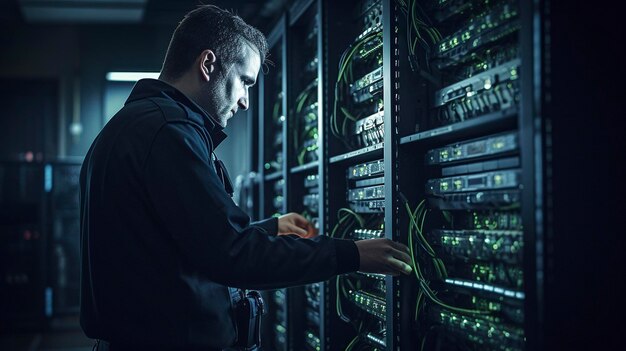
(261,14)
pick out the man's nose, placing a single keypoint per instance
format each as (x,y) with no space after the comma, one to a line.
(243,103)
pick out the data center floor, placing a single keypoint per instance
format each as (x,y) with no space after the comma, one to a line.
(63,334)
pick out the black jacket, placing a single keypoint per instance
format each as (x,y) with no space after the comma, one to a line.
(161,239)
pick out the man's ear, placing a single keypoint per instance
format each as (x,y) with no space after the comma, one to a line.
(207,64)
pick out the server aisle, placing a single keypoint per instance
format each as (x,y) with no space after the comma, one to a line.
(39,224)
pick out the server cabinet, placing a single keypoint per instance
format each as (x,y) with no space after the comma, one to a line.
(303,155)
(435,129)
(273,167)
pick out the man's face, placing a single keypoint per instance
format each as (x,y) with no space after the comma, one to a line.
(228,88)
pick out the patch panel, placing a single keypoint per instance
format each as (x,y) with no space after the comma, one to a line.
(362,234)
(368,193)
(483,29)
(365,88)
(500,308)
(375,340)
(489,333)
(474,182)
(490,146)
(487,245)
(371,206)
(365,170)
(369,303)
(491,273)
(491,220)
(373,283)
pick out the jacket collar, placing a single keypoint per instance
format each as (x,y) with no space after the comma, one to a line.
(146,88)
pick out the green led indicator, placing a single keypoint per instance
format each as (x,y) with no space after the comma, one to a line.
(498,179)
(458,184)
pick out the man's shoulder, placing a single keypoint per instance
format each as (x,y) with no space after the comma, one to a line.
(172,110)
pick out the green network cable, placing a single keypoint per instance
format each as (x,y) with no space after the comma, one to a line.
(423,283)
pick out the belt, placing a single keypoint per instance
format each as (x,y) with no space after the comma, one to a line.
(236,295)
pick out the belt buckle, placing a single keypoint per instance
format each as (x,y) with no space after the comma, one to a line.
(259,300)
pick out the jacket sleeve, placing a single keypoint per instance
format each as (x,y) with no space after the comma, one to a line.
(214,236)
(270,225)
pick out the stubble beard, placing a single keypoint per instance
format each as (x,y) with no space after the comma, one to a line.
(214,105)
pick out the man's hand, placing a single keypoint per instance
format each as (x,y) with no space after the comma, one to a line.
(293,223)
(384,256)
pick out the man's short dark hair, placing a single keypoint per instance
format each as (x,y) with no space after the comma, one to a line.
(210,27)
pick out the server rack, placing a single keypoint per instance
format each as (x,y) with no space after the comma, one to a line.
(463,156)
(303,156)
(454,159)
(63,251)
(273,169)
(356,120)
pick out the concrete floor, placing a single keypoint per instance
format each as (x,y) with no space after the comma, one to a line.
(63,334)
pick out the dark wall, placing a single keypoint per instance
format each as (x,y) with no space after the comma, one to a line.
(27,116)
(77,58)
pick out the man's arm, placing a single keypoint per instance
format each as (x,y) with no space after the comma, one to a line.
(215,237)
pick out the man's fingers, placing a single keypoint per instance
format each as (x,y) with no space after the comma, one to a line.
(402,256)
(300,220)
(298,230)
(400,247)
(400,266)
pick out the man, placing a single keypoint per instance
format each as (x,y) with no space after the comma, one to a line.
(161,239)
